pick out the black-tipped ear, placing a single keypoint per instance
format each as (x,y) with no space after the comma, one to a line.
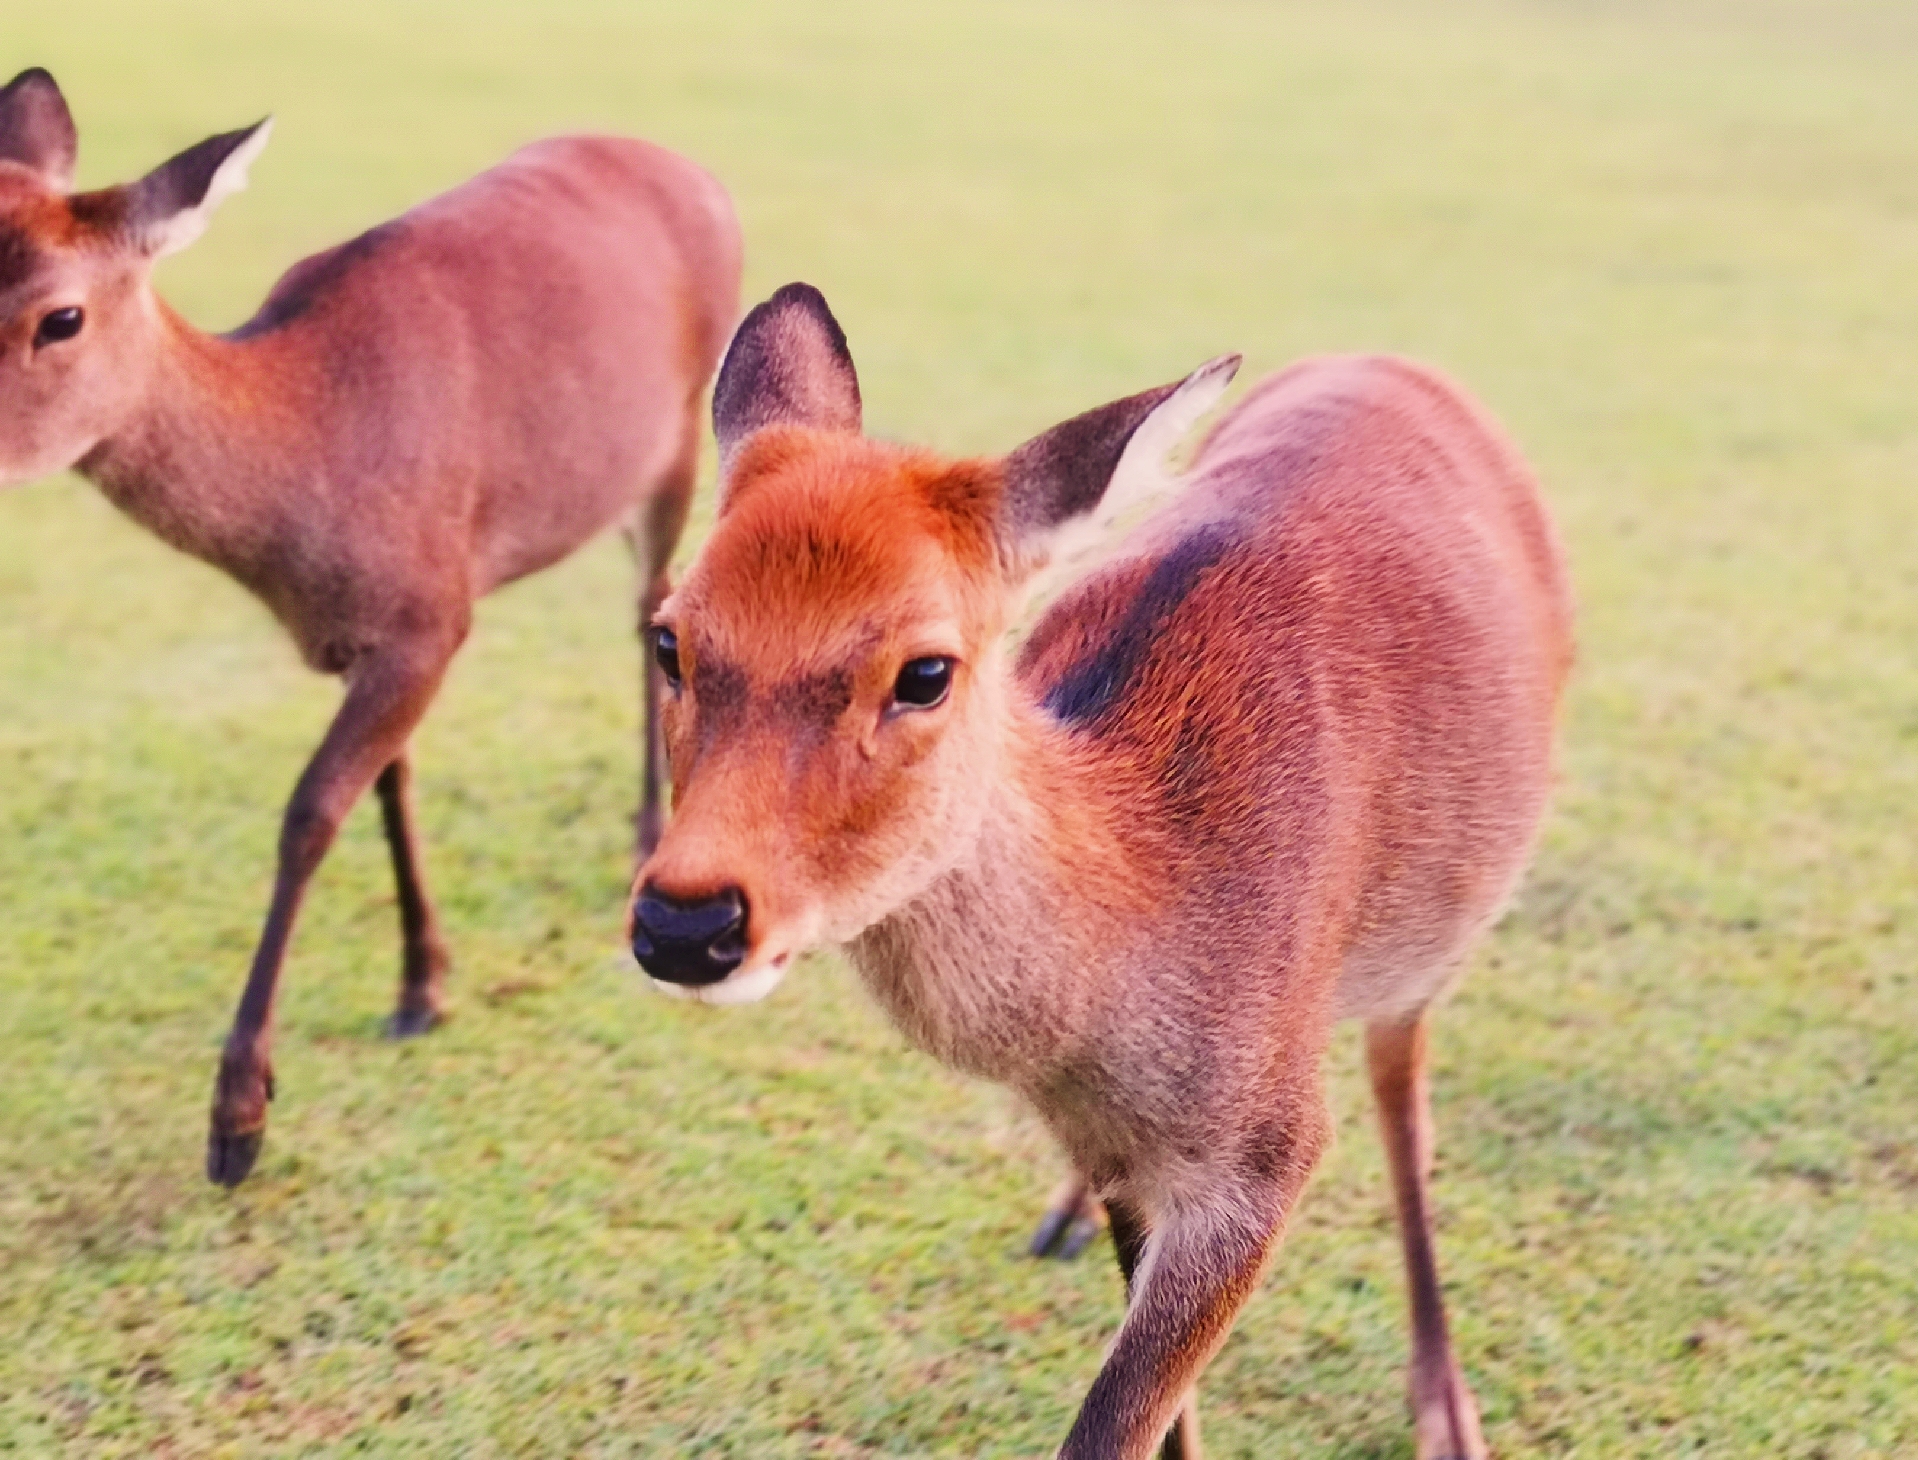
(787,365)
(169,207)
(1064,474)
(36,129)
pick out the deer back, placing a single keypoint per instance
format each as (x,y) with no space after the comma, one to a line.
(520,354)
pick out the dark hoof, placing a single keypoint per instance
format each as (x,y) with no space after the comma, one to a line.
(1046,1235)
(1064,1234)
(411,1023)
(1077,1237)
(229,1158)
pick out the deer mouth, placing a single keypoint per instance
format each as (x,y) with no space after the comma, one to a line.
(747,984)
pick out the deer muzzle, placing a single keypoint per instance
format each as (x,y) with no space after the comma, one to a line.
(689,941)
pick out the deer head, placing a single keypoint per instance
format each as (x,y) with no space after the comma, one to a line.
(77,318)
(839,688)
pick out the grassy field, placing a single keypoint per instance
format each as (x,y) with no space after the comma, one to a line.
(1674,245)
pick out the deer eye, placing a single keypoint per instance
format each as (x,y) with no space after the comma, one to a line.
(666,654)
(60,325)
(923,682)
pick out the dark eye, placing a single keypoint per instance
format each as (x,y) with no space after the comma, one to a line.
(666,654)
(62,324)
(923,683)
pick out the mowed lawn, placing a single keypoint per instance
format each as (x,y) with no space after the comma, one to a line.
(1674,246)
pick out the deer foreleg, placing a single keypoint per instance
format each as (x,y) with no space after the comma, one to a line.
(1191,1274)
(387,693)
(1129,1236)
(652,532)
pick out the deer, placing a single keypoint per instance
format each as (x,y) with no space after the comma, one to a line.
(446,403)
(1271,762)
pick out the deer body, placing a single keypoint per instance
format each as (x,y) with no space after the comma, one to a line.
(453,400)
(1284,757)
(1274,767)
(1271,766)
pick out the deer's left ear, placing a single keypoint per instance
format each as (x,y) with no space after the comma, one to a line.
(788,364)
(1088,467)
(169,207)
(36,129)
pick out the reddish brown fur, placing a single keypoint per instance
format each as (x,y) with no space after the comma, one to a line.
(1272,766)
(456,399)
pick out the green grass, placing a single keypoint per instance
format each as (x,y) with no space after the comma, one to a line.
(1675,246)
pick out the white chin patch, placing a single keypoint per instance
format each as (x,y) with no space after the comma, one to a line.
(747,986)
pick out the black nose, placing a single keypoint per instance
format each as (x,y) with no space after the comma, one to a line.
(694,942)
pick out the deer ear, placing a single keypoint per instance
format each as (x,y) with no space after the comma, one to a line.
(36,129)
(169,207)
(1094,465)
(787,365)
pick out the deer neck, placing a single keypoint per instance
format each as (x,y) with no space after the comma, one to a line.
(995,967)
(196,457)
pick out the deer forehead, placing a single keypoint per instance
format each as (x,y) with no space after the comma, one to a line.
(809,599)
(793,477)
(45,241)
(33,227)
(837,556)
(20,259)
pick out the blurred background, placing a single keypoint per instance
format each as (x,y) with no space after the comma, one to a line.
(1674,246)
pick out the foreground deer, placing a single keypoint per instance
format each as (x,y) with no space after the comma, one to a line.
(452,401)
(1272,766)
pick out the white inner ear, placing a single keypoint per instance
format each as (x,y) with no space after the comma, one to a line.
(1142,475)
(1141,481)
(229,178)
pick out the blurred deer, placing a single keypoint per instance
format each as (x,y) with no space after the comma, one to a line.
(451,401)
(1274,764)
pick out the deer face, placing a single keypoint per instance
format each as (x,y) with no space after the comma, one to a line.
(837,686)
(77,321)
(72,318)
(832,676)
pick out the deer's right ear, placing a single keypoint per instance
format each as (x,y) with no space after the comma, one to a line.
(36,129)
(1086,471)
(169,207)
(788,365)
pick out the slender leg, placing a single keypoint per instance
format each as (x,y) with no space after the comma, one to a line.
(422,1004)
(1194,1263)
(1193,1273)
(385,697)
(652,813)
(1444,1414)
(1073,1218)
(1129,1236)
(652,533)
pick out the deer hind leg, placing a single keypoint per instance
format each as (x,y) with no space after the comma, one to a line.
(386,695)
(424,960)
(1444,1415)
(653,532)
(1073,1218)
